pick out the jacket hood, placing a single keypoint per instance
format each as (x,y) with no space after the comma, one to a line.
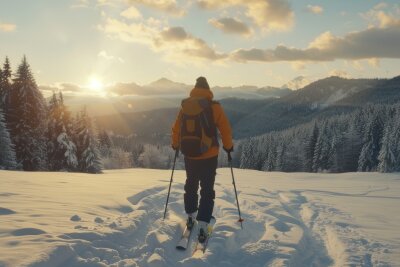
(200,92)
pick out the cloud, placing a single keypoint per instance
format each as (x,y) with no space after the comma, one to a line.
(141,32)
(7,27)
(374,62)
(177,43)
(381,5)
(315,9)
(64,87)
(174,34)
(370,43)
(103,54)
(169,6)
(231,26)
(339,73)
(269,15)
(174,42)
(377,17)
(298,65)
(131,13)
(80,4)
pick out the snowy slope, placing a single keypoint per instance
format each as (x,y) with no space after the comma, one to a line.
(115,219)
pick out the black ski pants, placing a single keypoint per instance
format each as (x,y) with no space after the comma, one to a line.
(201,171)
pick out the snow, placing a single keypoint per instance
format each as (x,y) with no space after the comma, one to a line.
(115,219)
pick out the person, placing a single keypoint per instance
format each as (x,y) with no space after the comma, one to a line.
(201,167)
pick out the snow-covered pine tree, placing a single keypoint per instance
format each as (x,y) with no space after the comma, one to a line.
(153,157)
(395,139)
(316,167)
(309,149)
(85,138)
(105,144)
(280,157)
(136,150)
(368,160)
(247,158)
(61,148)
(26,111)
(389,158)
(236,153)
(7,153)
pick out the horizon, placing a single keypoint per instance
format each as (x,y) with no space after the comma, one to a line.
(97,43)
(109,89)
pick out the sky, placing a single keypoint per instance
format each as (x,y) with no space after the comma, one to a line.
(231,42)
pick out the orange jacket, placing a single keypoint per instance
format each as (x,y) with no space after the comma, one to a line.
(220,119)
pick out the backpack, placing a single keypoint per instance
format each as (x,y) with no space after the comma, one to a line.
(198,130)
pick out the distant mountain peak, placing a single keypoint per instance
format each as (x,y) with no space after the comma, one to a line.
(162,81)
(298,83)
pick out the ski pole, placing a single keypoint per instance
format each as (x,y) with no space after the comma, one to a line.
(170,182)
(234,186)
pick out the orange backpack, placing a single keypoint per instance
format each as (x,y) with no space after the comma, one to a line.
(198,130)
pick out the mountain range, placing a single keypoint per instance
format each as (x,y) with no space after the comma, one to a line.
(163,93)
(252,117)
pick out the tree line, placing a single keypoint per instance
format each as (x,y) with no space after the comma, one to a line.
(366,140)
(38,136)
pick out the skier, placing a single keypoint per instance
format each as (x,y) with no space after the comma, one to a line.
(195,134)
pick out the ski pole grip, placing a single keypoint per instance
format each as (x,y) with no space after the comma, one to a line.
(229,157)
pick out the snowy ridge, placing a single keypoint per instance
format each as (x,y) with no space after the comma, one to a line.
(115,219)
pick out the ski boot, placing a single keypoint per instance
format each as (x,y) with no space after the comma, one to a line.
(190,223)
(202,236)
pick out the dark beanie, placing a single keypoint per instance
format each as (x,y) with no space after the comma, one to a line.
(201,82)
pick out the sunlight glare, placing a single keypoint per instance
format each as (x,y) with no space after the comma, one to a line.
(95,84)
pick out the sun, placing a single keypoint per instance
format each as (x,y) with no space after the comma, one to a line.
(96,84)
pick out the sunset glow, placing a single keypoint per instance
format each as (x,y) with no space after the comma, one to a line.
(95,84)
(232,43)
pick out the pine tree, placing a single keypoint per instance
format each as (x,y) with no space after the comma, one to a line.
(2,91)
(368,160)
(105,144)
(247,158)
(26,119)
(61,149)
(310,148)
(85,138)
(7,153)
(270,156)
(280,157)
(389,159)
(5,86)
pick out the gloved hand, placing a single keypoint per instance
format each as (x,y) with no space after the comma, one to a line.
(228,150)
(175,148)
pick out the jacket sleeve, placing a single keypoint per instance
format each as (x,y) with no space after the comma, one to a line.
(176,129)
(224,127)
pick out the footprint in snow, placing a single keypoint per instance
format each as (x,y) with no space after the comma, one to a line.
(75,218)
(27,231)
(5,211)
(98,220)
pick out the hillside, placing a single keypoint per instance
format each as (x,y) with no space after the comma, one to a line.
(158,122)
(115,219)
(252,117)
(323,98)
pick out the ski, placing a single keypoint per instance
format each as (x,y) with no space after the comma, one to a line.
(203,246)
(185,238)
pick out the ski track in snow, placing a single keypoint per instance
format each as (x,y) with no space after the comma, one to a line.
(281,228)
(274,234)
